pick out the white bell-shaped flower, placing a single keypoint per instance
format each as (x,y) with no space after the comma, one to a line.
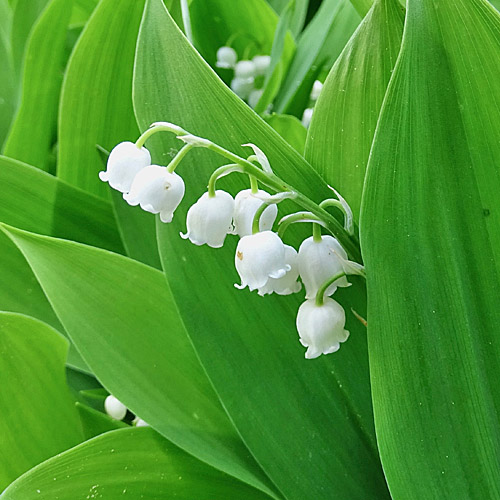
(244,69)
(307,116)
(254,97)
(226,57)
(321,328)
(242,87)
(287,284)
(115,408)
(258,258)
(138,422)
(316,90)
(245,206)
(124,163)
(209,220)
(319,261)
(157,191)
(261,63)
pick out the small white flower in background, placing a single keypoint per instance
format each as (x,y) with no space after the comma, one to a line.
(209,220)
(321,328)
(138,422)
(261,64)
(306,117)
(115,408)
(258,258)
(242,87)
(244,69)
(226,57)
(316,90)
(157,191)
(245,206)
(124,163)
(288,284)
(318,261)
(254,97)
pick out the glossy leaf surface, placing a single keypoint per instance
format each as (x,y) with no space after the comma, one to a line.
(430,228)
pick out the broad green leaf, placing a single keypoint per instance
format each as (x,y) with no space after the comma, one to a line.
(430,229)
(290,128)
(37,201)
(95,422)
(345,116)
(36,117)
(363,6)
(318,46)
(136,344)
(25,14)
(7,81)
(96,104)
(37,417)
(134,463)
(82,10)
(248,344)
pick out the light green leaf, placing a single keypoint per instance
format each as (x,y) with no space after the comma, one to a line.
(96,103)
(430,228)
(136,344)
(290,128)
(25,14)
(8,80)
(248,344)
(134,463)
(363,6)
(33,131)
(82,10)
(38,418)
(95,422)
(345,116)
(319,45)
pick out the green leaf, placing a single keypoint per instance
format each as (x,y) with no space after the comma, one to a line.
(36,117)
(290,128)
(135,463)
(25,14)
(96,103)
(345,116)
(319,45)
(430,228)
(95,422)
(363,6)
(248,345)
(38,418)
(136,344)
(8,80)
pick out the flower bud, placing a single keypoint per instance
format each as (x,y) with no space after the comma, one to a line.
(261,63)
(245,206)
(157,191)
(226,57)
(321,328)
(259,257)
(316,90)
(209,219)
(288,284)
(254,97)
(138,422)
(242,87)
(124,163)
(244,69)
(319,261)
(307,116)
(115,408)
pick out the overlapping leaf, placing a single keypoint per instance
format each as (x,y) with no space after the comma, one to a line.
(430,228)
(249,346)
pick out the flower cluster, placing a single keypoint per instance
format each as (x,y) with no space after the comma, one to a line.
(248,73)
(313,97)
(263,261)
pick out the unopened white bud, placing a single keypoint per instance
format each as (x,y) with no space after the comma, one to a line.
(157,191)
(259,257)
(246,205)
(307,116)
(254,97)
(287,284)
(319,261)
(124,163)
(316,90)
(209,219)
(226,57)
(138,422)
(261,64)
(115,408)
(244,69)
(242,87)
(321,328)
